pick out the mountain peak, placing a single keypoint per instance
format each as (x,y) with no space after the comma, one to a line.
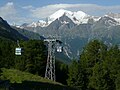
(107,20)
(76,17)
(58,14)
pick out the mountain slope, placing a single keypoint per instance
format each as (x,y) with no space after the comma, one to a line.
(29,34)
(7,32)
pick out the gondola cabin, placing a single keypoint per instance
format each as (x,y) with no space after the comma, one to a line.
(18,51)
(59,48)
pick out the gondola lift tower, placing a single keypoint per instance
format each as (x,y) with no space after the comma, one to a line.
(53,44)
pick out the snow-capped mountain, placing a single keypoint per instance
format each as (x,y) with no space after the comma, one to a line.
(41,23)
(115,16)
(77,18)
(107,20)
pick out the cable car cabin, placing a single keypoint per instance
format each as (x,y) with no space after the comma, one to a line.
(18,51)
(59,48)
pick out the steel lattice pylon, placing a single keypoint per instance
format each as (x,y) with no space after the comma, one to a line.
(50,67)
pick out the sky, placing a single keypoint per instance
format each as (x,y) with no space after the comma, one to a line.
(27,11)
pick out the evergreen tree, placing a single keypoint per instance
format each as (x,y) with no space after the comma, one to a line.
(117,81)
(6,53)
(100,79)
(73,73)
(93,53)
(106,74)
(112,63)
(61,72)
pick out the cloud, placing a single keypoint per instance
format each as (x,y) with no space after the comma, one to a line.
(92,9)
(19,14)
(12,14)
(7,10)
(43,12)
(28,7)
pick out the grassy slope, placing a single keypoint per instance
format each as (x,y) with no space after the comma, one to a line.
(16,76)
(26,81)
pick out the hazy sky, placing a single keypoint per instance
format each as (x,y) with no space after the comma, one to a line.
(21,11)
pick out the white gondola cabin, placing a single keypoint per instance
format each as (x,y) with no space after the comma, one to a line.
(18,51)
(59,48)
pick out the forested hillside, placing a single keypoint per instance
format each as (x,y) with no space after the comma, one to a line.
(97,69)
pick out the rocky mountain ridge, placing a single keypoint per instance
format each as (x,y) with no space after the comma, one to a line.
(78,17)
